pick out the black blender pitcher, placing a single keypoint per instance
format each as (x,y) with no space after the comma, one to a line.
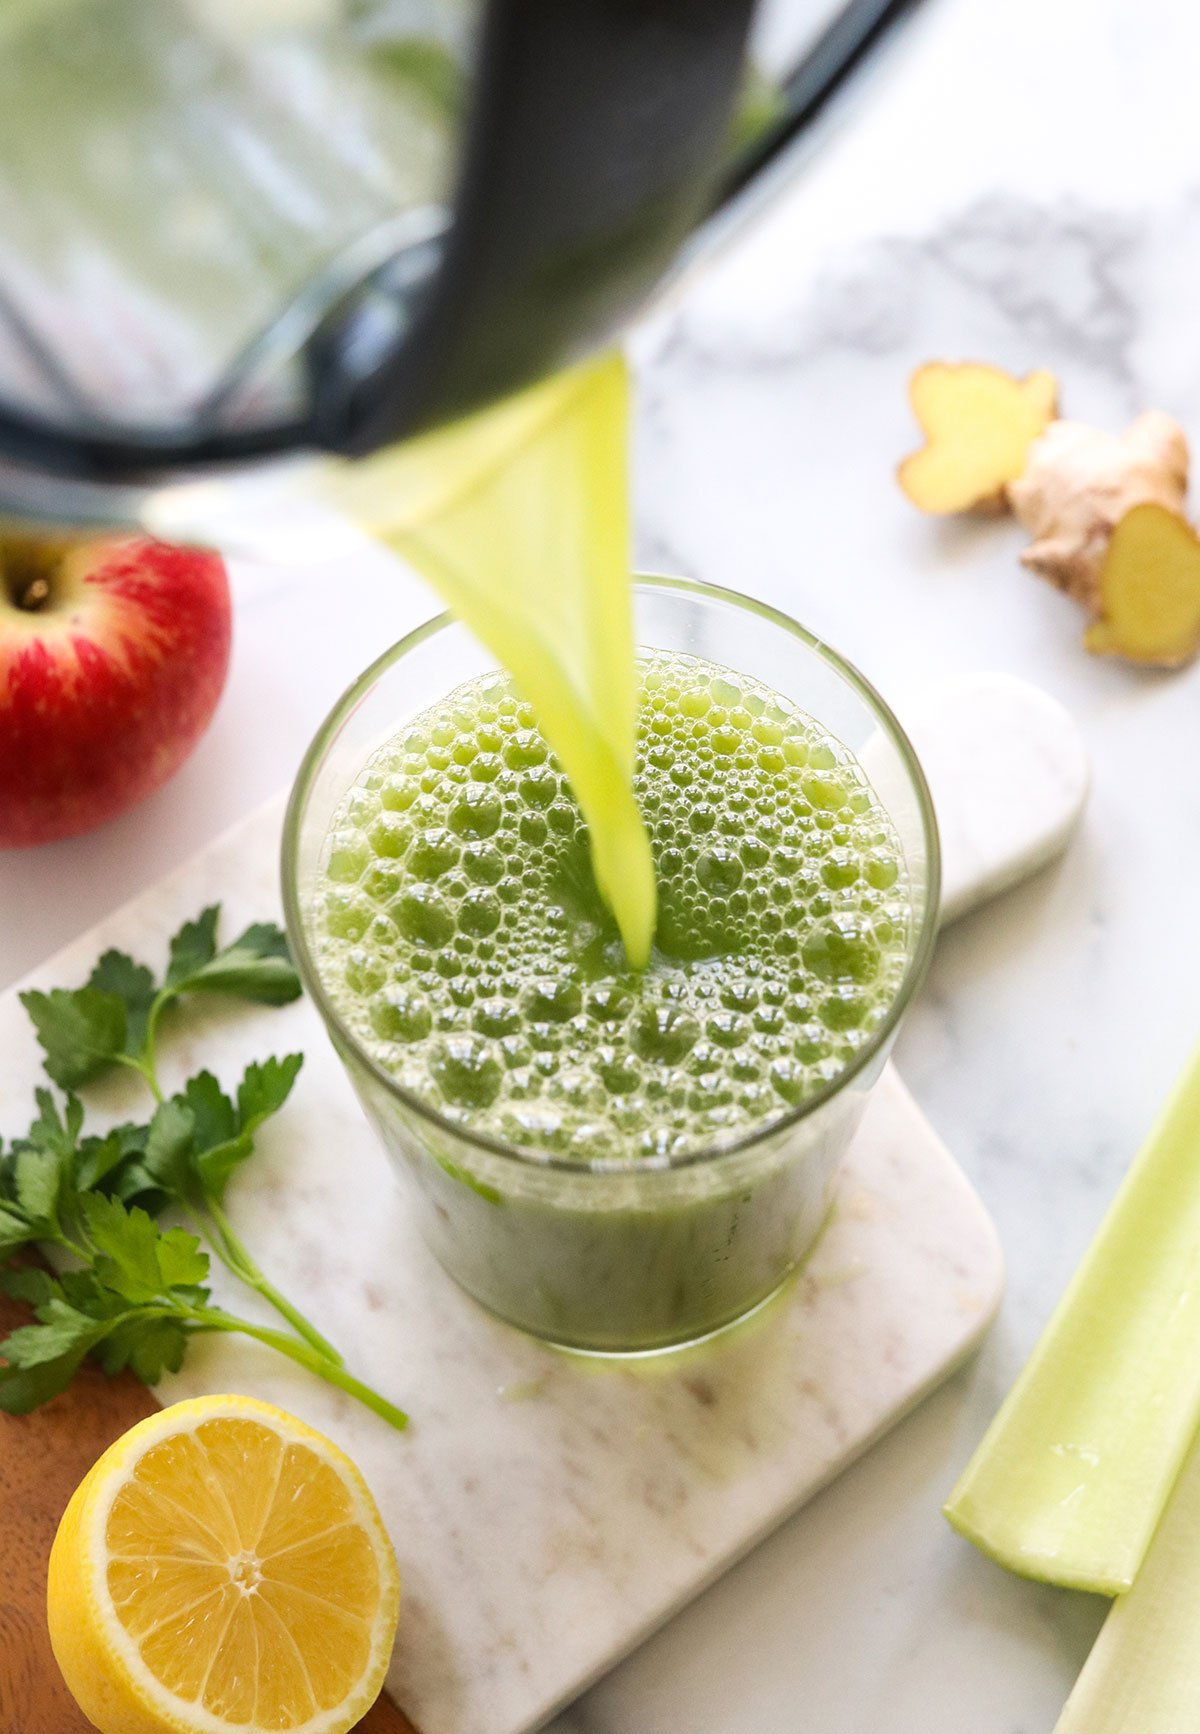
(234,229)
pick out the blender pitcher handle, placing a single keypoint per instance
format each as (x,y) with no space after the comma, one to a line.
(596,137)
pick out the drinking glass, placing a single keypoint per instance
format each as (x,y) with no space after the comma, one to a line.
(604,1254)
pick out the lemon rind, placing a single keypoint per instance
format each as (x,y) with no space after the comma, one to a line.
(185,1417)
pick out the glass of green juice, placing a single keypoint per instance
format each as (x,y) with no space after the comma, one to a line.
(616,1161)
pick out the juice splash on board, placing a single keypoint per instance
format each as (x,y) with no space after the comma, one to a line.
(519,518)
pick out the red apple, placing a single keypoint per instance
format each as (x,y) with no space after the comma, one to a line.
(113,653)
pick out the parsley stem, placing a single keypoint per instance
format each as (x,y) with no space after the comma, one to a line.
(213,1318)
(225,1242)
(68,1245)
(149,1063)
(235,1257)
(144,1070)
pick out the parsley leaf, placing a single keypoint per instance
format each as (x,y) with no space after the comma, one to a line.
(199,1137)
(216,1166)
(135,1258)
(44,1174)
(15,1232)
(30,1283)
(44,1358)
(134,1292)
(81,1030)
(113,1017)
(262,1092)
(149,1347)
(23,1389)
(257,966)
(96,1158)
(264,1088)
(50,1131)
(61,1329)
(126,1244)
(133,984)
(193,946)
(84,1292)
(181,1263)
(166,1161)
(37,1179)
(214,1118)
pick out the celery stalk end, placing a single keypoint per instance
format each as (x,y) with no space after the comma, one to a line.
(1097,1577)
(1072,1476)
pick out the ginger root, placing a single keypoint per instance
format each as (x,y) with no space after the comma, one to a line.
(1078,485)
(1107,512)
(1148,589)
(979,423)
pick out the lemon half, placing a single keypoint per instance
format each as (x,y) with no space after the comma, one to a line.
(223,1567)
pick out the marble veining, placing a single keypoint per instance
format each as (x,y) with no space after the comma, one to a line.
(1058,274)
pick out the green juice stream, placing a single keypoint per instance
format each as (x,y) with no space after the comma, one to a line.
(519,517)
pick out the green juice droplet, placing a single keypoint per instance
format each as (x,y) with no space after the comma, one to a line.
(519,517)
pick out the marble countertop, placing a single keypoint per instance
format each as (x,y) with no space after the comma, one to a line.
(1005,182)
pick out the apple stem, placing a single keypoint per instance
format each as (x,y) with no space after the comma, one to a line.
(33,595)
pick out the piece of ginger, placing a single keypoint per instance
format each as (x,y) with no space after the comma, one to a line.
(1148,590)
(1079,483)
(979,423)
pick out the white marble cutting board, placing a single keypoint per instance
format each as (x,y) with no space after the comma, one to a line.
(548,1512)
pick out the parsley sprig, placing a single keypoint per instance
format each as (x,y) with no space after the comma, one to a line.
(132,1293)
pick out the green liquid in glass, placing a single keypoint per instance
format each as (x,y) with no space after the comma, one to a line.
(461,936)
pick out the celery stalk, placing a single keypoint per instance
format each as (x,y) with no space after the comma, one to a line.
(1144,1670)
(1073,1474)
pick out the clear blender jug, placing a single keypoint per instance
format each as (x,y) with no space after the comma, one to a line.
(231,229)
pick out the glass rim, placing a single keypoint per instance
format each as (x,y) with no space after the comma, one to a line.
(914,972)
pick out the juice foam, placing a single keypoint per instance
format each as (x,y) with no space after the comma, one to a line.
(460,934)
